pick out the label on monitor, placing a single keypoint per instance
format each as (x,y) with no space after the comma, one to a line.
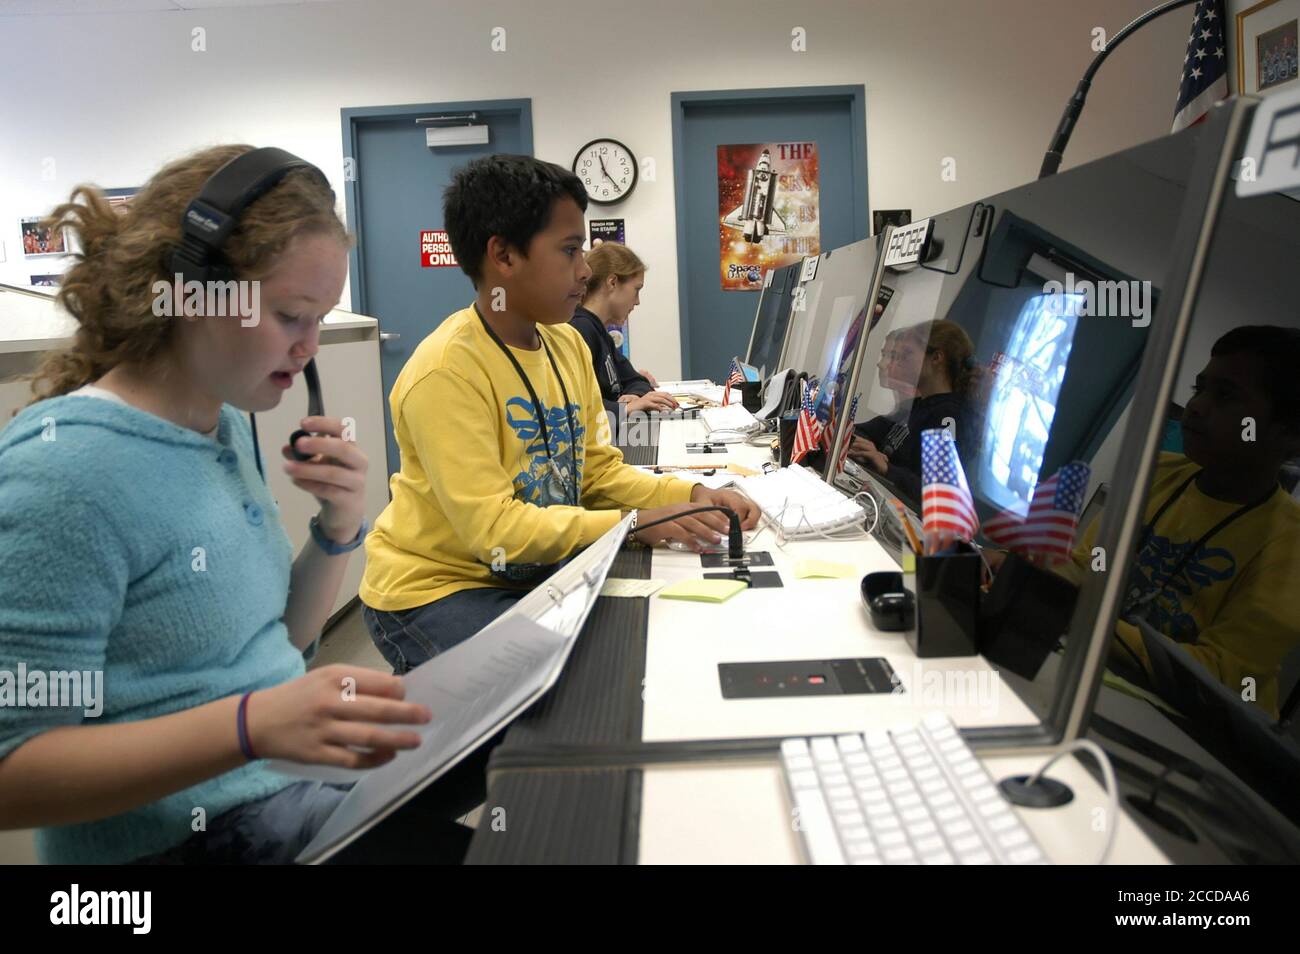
(1271,162)
(907,243)
(767,277)
(809,268)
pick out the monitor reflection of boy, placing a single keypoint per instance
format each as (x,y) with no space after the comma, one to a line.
(1218,556)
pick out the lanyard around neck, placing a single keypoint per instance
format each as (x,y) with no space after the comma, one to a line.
(537,404)
(1150,528)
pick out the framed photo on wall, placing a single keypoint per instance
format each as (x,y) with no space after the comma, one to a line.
(1266,45)
(39,242)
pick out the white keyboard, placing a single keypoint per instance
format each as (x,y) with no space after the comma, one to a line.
(801,503)
(908,795)
(733,417)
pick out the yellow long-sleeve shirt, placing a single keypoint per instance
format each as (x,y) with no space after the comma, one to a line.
(475,502)
(1235,606)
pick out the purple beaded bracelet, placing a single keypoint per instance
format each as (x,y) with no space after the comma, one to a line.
(241,725)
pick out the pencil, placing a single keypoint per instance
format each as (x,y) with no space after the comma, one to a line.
(907,526)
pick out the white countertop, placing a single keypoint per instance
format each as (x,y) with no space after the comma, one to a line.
(34,322)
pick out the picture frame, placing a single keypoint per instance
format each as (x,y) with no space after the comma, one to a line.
(119,199)
(1267,35)
(38,242)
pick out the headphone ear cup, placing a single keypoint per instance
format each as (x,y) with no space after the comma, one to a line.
(219,271)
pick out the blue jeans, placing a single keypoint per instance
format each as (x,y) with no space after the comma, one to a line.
(270,831)
(410,637)
(273,830)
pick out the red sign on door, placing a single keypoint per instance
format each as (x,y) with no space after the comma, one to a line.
(435,250)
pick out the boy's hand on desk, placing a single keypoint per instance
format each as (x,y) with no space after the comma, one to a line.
(654,401)
(323,717)
(745,508)
(697,531)
(335,475)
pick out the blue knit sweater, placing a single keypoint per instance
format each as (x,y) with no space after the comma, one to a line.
(145,550)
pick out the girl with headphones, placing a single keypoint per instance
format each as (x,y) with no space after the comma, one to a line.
(142,553)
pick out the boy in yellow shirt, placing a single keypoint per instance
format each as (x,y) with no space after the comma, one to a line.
(1219,550)
(506,465)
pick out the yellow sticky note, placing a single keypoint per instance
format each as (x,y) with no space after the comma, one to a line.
(822,568)
(630,588)
(704,591)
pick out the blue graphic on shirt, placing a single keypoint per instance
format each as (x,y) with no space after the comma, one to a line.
(539,482)
(1209,565)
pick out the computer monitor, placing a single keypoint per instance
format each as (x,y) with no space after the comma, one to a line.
(1012,333)
(1175,639)
(825,305)
(1198,701)
(1171,631)
(772,319)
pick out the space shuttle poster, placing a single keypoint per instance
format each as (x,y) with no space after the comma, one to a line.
(768,212)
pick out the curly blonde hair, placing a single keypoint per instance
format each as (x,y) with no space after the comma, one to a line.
(110,290)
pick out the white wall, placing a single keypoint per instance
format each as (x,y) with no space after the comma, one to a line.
(109,98)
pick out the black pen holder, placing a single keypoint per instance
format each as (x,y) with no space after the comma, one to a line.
(751,395)
(786,433)
(947,589)
(1025,613)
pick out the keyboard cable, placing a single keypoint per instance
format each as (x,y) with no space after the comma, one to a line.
(1108,775)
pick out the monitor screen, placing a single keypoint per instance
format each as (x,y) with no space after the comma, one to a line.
(772,319)
(1006,354)
(824,307)
(1026,384)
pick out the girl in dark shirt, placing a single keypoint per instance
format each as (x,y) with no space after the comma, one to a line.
(614,289)
(940,358)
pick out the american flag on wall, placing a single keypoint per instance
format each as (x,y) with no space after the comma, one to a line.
(1205,67)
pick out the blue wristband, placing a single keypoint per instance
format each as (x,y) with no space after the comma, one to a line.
(332,548)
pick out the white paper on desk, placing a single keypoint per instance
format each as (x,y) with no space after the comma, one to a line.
(474,689)
(711,394)
(775,389)
(712,481)
(683,387)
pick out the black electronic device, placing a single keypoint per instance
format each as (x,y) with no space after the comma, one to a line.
(891,607)
(1061,138)
(807,677)
(755,580)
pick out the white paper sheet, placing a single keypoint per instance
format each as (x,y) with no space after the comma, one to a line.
(684,387)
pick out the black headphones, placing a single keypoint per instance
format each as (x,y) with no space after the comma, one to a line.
(208,222)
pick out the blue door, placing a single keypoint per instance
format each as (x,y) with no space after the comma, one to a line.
(393,196)
(715,324)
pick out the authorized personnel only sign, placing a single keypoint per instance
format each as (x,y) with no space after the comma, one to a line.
(435,250)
